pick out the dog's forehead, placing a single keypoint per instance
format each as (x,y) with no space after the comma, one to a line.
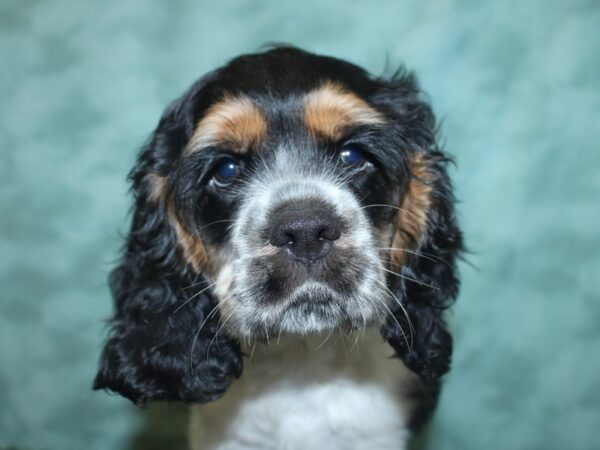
(245,120)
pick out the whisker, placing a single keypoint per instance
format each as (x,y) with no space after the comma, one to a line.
(399,303)
(193,297)
(326,339)
(428,256)
(381,205)
(215,222)
(364,322)
(195,284)
(410,279)
(217,333)
(252,352)
(404,336)
(358,332)
(198,333)
(267,334)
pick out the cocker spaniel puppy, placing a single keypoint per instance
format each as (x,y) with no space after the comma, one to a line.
(293,221)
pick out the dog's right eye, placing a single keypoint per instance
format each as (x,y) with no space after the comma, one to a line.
(226,171)
(352,156)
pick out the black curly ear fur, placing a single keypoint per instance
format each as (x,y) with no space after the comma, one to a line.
(148,355)
(428,229)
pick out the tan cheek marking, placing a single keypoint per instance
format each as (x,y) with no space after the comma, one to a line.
(331,109)
(234,120)
(416,204)
(193,249)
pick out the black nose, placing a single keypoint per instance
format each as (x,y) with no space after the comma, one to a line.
(307,234)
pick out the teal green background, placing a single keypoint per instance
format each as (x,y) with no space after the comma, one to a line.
(517,86)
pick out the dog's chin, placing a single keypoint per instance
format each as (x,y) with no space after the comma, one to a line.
(313,309)
(312,312)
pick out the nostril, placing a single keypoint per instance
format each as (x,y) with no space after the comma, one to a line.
(321,234)
(331,231)
(280,235)
(306,233)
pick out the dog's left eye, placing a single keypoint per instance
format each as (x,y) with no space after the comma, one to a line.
(352,156)
(226,171)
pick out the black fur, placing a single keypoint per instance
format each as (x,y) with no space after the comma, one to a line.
(429,287)
(430,284)
(148,355)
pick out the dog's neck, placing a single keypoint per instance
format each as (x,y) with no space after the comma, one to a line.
(328,353)
(309,381)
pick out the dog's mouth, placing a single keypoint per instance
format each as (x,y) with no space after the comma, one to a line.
(315,308)
(309,307)
(250,309)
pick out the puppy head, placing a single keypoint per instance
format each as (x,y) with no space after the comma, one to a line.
(283,193)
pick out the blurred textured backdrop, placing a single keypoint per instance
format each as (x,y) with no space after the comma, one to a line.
(517,84)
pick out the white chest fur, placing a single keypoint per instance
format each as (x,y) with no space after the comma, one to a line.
(301,393)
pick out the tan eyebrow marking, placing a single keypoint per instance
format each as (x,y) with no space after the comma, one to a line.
(331,109)
(415,207)
(233,120)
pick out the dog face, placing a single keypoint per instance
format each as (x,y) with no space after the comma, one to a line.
(283,193)
(300,253)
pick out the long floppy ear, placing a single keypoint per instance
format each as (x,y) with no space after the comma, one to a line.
(162,346)
(427,241)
